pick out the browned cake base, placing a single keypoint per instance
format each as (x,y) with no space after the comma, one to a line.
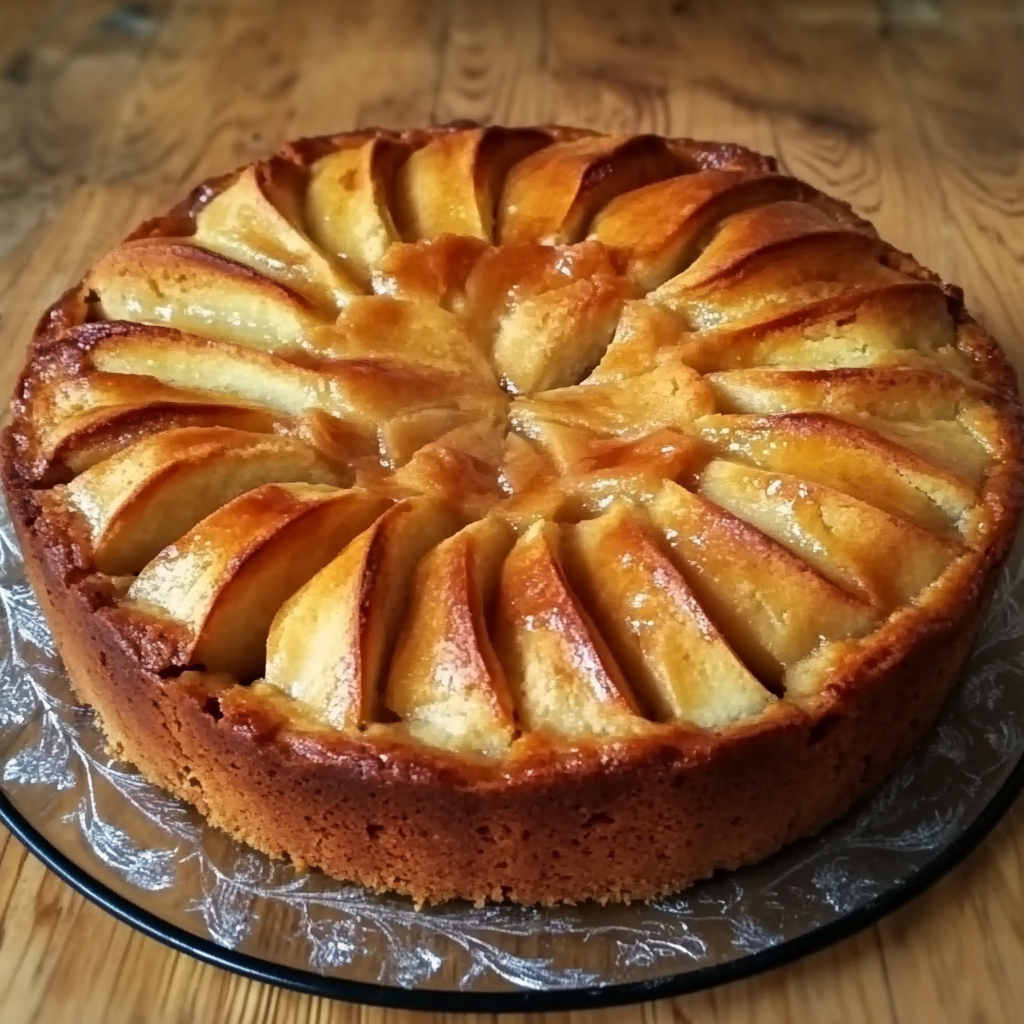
(631,821)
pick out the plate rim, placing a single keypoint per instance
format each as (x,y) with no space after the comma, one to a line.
(528,1000)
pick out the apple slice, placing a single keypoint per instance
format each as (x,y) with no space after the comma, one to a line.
(435,270)
(670,651)
(446,683)
(330,641)
(364,392)
(659,229)
(587,473)
(884,560)
(771,257)
(461,465)
(552,195)
(347,206)
(177,284)
(380,326)
(550,310)
(903,322)
(847,458)
(151,493)
(886,392)
(85,419)
(228,576)
(451,185)
(643,332)
(257,221)
(671,395)
(562,677)
(773,609)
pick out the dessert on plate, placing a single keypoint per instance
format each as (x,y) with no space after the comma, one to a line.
(521,514)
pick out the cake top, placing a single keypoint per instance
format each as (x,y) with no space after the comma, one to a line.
(468,435)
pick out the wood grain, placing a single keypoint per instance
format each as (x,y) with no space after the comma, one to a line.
(911,109)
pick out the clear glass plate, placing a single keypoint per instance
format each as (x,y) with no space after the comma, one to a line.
(155,863)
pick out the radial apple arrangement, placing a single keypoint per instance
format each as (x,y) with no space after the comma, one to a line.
(525,514)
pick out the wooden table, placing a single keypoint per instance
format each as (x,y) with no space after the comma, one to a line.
(914,111)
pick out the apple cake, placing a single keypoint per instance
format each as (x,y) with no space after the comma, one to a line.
(522,514)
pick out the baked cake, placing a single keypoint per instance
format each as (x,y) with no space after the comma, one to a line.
(519,514)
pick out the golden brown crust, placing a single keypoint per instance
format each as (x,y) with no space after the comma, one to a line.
(555,820)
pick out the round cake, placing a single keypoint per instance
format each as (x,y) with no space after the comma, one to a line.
(522,514)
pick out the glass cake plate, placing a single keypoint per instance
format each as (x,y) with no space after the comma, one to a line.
(153,862)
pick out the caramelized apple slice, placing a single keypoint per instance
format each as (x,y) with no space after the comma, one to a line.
(257,221)
(671,652)
(904,322)
(550,310)
(227,577)
(159,281)
(82,420)
(588,473)
(411,331)
(670,395)
(885,392)
(364,392)
(769,258)
(402,437)
(644,330)
(772,608)
(884,560)
(848,458)
(659,228)
(552,195)
(435,270)
(329,642)
(446,682)
(187,361)
(451,185)
(347,203)
(944,419)
(462,465)
(562,677)
(146,496)
(952,446)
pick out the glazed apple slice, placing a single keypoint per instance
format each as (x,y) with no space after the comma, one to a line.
(884,560)
(643,333)
(659,229)
(772,608)
(451,185)
(670,651)
(227,577)
(446,683)
(549,310)
(462,464)
(585,474)
(885,392)
(562,676)
(347,206)
(364,392)
(330,641)
(902,322)
(434,270)
(82,420)
(670,395)
(380,326)
(154,491)
(552,195)
(771,257)
(848,458)
(257,220)
(177,284)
